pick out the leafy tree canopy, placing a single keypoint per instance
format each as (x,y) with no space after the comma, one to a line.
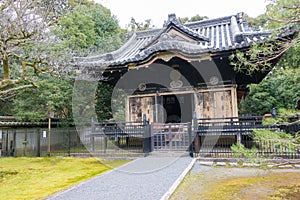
(53,94)
(90,28)
(280,89)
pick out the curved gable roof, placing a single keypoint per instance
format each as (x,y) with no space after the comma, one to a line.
(206,36)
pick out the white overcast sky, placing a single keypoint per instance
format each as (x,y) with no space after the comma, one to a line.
(158,10)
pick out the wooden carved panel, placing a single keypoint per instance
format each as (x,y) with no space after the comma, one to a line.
(140,106)
(214,103)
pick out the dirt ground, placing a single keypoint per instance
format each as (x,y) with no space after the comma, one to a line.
(217,183)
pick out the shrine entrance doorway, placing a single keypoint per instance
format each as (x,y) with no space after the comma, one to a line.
(177,108)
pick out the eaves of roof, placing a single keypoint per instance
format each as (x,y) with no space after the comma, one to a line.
(211,36)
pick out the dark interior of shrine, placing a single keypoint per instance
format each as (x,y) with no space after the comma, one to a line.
(178,108)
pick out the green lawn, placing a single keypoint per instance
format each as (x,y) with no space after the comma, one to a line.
(37,178)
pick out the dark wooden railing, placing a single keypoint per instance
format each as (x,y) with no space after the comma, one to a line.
(231,126)
(215,136)
(131,136)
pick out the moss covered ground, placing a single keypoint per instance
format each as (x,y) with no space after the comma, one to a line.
(220,183)
(37,178)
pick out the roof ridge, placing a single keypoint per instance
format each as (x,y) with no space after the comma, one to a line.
(148,32)
(209,21)
(191,32)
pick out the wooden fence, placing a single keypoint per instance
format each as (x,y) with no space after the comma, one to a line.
(203,137)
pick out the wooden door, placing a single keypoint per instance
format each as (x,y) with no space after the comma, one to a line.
(216,103)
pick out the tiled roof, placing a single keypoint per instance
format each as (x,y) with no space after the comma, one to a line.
(9,121)
(206,36)
(15,124)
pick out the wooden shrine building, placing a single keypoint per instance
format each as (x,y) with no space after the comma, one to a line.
(180,70)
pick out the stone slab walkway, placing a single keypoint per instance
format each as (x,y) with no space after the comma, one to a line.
(147,178)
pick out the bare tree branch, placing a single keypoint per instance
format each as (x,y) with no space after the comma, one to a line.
(283,20)
(292,7)
(25,40)
(11,90)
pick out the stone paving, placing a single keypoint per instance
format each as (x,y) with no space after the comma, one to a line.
(144,178)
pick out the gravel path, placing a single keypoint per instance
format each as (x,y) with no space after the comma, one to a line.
(144,178)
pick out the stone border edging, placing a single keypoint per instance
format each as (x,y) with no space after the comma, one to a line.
(245,163)
(172,189)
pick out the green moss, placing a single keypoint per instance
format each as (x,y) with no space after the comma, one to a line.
(37,178)
(246,184)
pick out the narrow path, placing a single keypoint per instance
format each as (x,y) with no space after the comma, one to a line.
(144,178)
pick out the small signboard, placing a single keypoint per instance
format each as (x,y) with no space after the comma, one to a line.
(44,134)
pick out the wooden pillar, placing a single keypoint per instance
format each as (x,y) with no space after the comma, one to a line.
(127,109)
(234,101)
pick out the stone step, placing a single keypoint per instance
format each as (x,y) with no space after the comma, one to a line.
(111,154)
(167,153)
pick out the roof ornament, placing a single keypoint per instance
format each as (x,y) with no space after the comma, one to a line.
(109,57)
(165,37)
(235,30)
(240,17)
(172,19)
(246,25)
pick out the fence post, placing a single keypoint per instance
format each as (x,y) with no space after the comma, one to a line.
(239,134)
(1,143)
(195,134)
(147,139)
(38,143)
(92,134)
(105,143)
(14,145)
(190,139)
(170,136)
(69,142)
(6,144)
(25,142)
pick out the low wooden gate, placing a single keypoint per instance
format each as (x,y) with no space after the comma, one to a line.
(171,137)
